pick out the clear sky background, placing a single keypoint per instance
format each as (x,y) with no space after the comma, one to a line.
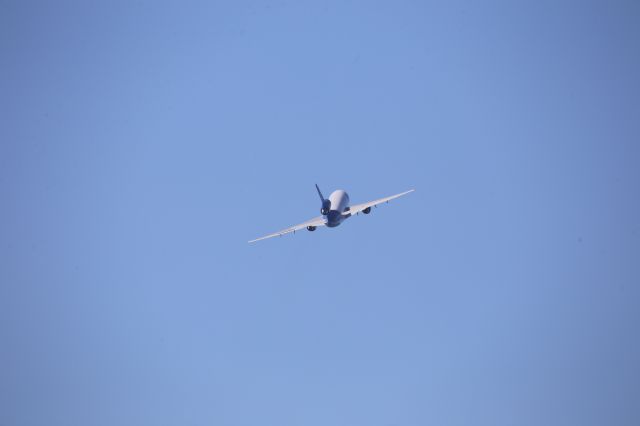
(142,144)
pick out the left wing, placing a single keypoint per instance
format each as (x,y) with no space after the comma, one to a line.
(318,221)
(359,207)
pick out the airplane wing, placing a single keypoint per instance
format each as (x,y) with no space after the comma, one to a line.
(355,209)
(318,221)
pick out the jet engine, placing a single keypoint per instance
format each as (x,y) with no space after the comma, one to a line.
(311,228)
(367,210)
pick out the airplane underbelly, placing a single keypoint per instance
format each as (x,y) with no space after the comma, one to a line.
(334,218)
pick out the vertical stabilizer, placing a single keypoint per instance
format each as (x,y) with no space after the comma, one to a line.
(320,193)
(326,204)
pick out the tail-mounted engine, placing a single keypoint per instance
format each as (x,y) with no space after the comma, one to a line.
(326,207)
(326,204)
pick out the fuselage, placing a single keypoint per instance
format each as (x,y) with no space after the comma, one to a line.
(339,204)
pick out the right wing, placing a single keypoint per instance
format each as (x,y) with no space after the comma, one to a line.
(355,209)
(318,221)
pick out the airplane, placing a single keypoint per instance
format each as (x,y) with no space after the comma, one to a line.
(334,210)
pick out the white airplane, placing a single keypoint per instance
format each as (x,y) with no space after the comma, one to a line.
(334,211)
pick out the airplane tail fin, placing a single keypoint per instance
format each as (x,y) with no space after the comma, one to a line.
(326,204)
(320,193)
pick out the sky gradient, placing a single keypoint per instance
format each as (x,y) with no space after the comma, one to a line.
(144,143)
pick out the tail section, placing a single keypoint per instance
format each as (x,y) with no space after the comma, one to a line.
(320,193)
(326,204)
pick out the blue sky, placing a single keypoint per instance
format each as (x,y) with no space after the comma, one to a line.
(143,144)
